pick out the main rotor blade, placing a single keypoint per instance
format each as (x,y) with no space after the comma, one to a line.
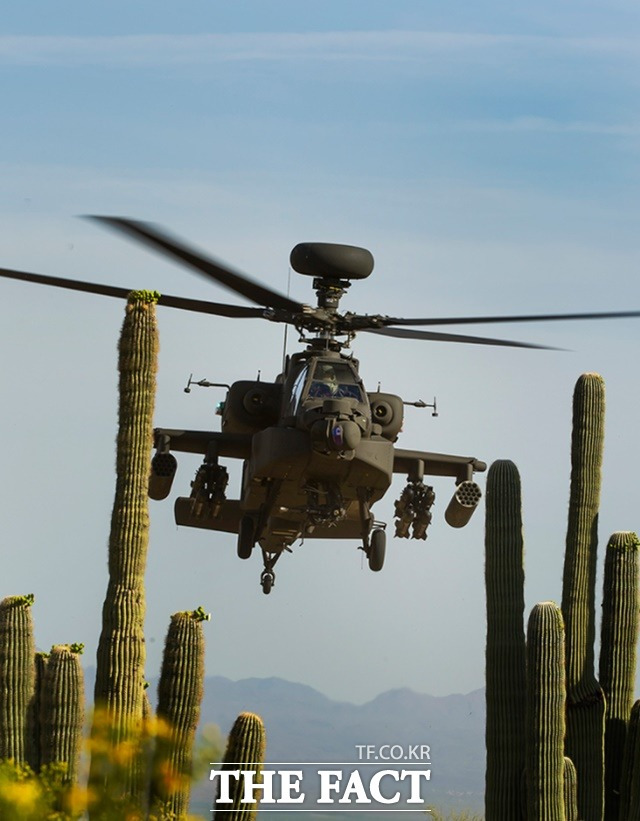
(200,306)
(159,240)
(477,320)
(438,336)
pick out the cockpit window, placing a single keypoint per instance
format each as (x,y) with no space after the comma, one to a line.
(334,380)
(296,391)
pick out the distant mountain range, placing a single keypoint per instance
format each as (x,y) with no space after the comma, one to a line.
(305,726)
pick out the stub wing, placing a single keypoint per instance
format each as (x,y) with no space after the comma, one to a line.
(423,462)
(232,445)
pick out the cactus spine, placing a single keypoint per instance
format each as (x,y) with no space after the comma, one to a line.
(245,750)
(179,696)
(505,654)
(585,700)
(119,686)
(619,635)
(17,678)
(545,716)
(62,709)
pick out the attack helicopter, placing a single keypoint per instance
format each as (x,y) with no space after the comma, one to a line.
(318,450)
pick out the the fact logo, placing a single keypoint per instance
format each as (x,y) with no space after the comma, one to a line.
(306,786)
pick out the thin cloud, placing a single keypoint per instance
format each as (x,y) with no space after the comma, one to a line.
(198,49)
(544,125)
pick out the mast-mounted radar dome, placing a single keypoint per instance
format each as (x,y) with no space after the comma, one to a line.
(331,261)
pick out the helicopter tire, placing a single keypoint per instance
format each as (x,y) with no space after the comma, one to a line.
(266,581)
(377,549)
(246,537)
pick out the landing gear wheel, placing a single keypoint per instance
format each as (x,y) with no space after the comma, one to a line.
(246,537)
(266,580)
(377,549)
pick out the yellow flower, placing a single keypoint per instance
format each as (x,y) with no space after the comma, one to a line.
(171,780)
(124,752)
(22,795)
(77,799)
(156,727)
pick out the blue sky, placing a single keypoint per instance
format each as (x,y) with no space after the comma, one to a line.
(487,154)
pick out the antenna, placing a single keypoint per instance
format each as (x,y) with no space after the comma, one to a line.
(286,327)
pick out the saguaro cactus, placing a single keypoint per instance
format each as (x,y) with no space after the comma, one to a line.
(62,709)
(505,655)
(245,750)
(179,696)
(119,686)
(17,677)
(585,700)
(545,718)
(619,636)
(35,755)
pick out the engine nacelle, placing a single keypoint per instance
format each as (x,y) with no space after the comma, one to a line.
(251,406)
(464,501)
(387,411)
(163,470)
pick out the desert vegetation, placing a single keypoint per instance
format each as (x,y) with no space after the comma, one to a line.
(561,740)
(132,764)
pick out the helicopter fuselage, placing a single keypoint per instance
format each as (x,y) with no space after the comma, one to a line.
(318,452)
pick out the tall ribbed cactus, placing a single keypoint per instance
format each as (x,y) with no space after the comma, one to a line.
(545,718)
(35,757)
(62,708)
(119,686)
(245,750)
(17,677)
(585,700)
(179,696)
(619,636)
(505,655)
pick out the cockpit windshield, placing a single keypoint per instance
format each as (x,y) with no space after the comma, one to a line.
(296,391)
(334,380)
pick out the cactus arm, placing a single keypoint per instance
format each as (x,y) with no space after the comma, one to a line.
(245,745)
(17,678)
(180,692)
(545,717)
(585,699)
(619,635)
(62,709)
(570,791)
(505,650)
(119,686)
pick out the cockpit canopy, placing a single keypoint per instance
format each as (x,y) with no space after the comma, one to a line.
(334,380)
(323,379)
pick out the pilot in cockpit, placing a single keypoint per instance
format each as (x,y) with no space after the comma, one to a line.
(326,384)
